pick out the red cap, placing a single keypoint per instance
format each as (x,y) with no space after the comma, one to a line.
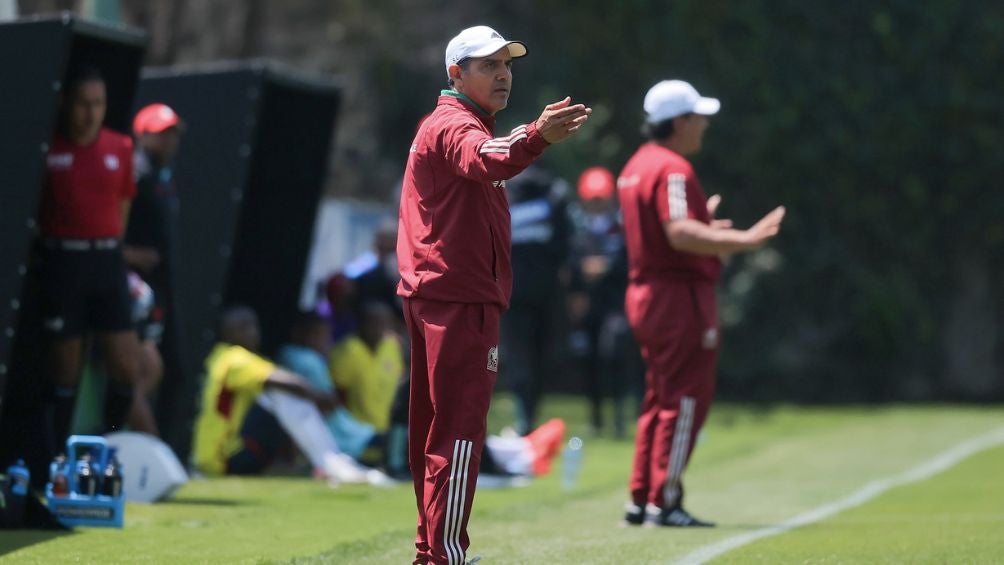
(596,182)
(155,118)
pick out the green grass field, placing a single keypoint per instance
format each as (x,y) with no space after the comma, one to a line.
(754,467)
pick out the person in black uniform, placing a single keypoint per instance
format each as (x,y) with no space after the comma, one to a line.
(151,243)
(600,339)
(540,243)
(83,286)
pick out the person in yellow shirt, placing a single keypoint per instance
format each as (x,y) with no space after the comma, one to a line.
(251,409)
(367,366)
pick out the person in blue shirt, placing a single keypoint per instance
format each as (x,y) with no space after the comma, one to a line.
(306,355)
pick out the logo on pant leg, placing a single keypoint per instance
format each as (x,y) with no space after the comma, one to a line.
(493,359)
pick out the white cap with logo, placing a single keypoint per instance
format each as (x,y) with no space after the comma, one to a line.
(672,98)
(479,41)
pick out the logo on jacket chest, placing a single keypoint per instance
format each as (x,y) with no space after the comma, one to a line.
(499,184)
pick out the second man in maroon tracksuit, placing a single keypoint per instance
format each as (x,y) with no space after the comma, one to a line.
(674,243)
(454,255)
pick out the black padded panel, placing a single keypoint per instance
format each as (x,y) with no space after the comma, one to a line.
(249,173)
(28,115)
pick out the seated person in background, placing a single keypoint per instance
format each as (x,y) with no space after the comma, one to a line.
(514,460)
(306,354)
(337,305)
(251,408)
(379,281)
(367,366)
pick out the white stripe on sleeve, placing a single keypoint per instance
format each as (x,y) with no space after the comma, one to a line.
(676,189)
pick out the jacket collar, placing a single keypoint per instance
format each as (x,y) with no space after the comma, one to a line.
(454,98)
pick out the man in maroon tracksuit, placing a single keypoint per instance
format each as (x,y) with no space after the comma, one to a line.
(674,244)
(454,255)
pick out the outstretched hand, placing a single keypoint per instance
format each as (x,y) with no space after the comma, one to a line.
(766,228)
(560,120)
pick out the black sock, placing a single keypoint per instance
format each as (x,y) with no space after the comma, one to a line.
(118,402)
(63,399)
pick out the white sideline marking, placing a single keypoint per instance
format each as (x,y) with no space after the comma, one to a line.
(923,471)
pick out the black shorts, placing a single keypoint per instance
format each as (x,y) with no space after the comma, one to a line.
(83,289)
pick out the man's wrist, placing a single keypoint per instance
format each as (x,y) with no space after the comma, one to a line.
(534,140)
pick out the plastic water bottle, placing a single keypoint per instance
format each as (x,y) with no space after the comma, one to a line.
(571,463)
(87,480)
(19,478)
(58,476)
(111,483)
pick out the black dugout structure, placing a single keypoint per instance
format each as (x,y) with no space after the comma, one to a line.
(37,53)
(249,174)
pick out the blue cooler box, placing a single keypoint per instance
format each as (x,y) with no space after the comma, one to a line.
(75,509)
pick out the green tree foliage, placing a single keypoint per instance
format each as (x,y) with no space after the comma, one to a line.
(879,124)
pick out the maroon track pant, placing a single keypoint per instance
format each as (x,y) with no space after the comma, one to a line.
(454,362)
(675,323)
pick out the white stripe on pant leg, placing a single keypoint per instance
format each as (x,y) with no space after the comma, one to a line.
(449,503)
(681,441)
(462,503)
(668,487)
(681,444)
(687,408)
(457,484)
(455,501)
(688,404)
(465,454)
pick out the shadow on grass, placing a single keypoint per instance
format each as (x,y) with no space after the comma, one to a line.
(35,525)
(13,540)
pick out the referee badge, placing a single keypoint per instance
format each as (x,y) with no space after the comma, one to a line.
(493,359)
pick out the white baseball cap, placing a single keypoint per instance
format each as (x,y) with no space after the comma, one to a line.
(479,41)
(672,98)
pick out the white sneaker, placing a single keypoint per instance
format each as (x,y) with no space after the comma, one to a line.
(378,478)
(344,469)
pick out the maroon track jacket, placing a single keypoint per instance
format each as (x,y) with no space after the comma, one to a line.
(454,233)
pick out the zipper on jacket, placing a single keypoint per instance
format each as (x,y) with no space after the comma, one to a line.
(495,273)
